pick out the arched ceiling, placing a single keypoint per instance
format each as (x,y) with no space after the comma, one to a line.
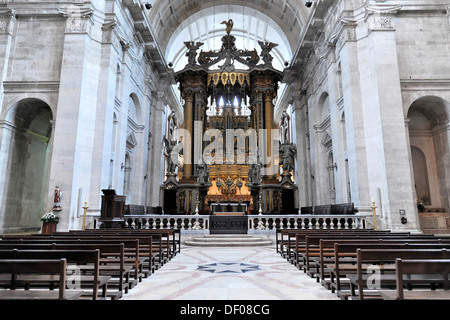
(278,21)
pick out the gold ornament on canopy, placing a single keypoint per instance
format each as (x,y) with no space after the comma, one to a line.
(223,77)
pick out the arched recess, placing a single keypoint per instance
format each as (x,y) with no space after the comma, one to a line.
(429,140)
(324,147)
(133,150)
(25,153)
(127,177)
(346,187)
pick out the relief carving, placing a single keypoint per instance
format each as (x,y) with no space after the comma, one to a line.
(78,19)
(7,18)
(380,18)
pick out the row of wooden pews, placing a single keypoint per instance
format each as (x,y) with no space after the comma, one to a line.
(371,264)
(92,264)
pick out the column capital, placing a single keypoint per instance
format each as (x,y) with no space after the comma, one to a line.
(7,19)
(188,95)
(77,19)
(448,14)
(380,18)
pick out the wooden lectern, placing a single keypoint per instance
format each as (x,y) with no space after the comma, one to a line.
(112,210)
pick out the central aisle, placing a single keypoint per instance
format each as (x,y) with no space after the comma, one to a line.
(229,273)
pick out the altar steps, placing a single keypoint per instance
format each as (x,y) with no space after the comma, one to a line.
(229,240)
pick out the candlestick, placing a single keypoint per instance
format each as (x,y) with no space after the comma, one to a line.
(84,215)
(374,214)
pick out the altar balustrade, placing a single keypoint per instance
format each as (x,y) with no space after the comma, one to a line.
(255,222)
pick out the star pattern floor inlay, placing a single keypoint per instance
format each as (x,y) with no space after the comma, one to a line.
(228,267)
(233,273)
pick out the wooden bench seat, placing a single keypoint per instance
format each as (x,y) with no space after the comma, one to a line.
(154,258)
(378,258)
(47,266)
(92,283)
(405,268)
(118,270)
(291,239)
(347,252)
(38,295)
(308,252)
(340,271)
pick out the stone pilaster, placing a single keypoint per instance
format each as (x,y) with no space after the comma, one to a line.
(104,123)
(303,166)
(71,163)
(7,22)
(346,44)
(388,162)
(156,161)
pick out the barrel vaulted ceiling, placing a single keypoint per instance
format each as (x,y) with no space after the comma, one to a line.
(278,21)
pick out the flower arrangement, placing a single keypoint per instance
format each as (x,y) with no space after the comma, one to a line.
(49,217)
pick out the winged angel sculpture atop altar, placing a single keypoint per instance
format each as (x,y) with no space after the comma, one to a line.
(228,53)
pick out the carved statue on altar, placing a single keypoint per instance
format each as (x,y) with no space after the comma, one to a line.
(284,127)
(254,174)
(288,152)
(265,53)
(192,51)
(229,25)
(172,151)
(203,173)
(172,124)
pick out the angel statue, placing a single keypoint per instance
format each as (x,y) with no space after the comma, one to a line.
(192,51)
(229,25)
(265,53)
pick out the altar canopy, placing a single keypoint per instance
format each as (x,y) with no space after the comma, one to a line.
(228,157)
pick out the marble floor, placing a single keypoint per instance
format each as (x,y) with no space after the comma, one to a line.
(229,273)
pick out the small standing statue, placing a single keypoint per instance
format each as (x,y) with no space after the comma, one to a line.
(172,152)
(229,25)
(265,53)
(285,133)
(288,152)
(192,51)
(57,195)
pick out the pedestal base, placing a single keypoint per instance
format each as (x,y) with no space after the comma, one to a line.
(49,227)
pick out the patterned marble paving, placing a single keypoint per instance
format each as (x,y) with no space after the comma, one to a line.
(233,273)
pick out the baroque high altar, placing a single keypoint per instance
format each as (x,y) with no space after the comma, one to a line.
(229,158)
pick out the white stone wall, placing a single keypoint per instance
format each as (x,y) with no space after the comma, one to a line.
(383,56)
(68,56)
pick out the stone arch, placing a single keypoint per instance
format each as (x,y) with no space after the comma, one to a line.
(11,104)
(429,140)
(323,107)
(322,147)
(26,150)
(134,109)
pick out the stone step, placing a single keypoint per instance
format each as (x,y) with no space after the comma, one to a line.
(228,241)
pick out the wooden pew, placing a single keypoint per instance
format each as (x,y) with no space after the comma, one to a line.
(150,245)
(117,269)
(132,247)
(173,239)
(384,261)
(289,240)
(307,246)
(347,252)
(166,241)
(56,267)
(76,259)
(345,259)
(419,267)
